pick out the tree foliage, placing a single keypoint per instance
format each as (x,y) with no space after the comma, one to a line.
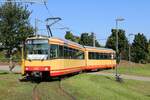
(122,42)
(140,48)
(87,40)
(71,37)
(14,25)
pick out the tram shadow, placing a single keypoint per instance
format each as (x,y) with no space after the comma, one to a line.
(46,79)
(97,70)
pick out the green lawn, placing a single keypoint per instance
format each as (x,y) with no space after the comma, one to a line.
(93,87)
(12,89)
(134,69)
(82,87)
(51,91)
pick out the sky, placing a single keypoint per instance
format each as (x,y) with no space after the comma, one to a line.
(96,16)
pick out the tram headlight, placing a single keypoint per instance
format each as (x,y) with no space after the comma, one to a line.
(46,69)
(27,68)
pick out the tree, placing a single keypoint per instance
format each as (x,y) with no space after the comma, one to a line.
(87,40)
(122,43)
(92,36)
(14,25)
(84,39)
(71,37)
(140,48)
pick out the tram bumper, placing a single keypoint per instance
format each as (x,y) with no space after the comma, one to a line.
(37,68)
(36,74)
(37,71)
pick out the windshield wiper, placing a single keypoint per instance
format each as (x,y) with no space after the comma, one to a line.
(42,59)
(29,60)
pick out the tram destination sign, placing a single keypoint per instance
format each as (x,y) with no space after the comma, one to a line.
(36,41)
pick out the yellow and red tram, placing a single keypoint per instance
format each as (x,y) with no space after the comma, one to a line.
(56,57)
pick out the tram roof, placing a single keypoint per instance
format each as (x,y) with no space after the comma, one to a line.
(71,42)
(100,48)
(67,41)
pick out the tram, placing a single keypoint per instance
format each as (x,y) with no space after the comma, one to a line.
(43,56)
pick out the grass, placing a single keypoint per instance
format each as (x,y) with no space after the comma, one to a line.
(134,69)
(12,89)
(92,87)
(82,87)
(51,91)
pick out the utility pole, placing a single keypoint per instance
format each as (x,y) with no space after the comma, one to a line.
(117,50)
(36,28)
(93,34)
(130,47)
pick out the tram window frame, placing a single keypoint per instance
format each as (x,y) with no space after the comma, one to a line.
(57,50)
(61,54)
(71,53)
(70,50)
(65,52)
(105,55)
(80,54)
(66,55)
(99,56)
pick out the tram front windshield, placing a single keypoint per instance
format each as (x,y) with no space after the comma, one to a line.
(37,49)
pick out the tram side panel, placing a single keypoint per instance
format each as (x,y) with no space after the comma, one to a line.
(74,65)
(99,63)
(44,66)
(66,66)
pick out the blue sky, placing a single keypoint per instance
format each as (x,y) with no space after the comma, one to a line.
(96,16)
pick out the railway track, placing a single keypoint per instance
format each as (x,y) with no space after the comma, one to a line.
(51,90)
(35,94)
(67,93)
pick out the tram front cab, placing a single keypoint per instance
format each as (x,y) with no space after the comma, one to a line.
(35,57)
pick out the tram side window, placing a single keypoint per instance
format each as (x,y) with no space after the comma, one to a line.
(66,54)
(79,54)
(97,56)
(105,56)
(61,52)
(70,53)
(91,55)
(74,54)
(54,51)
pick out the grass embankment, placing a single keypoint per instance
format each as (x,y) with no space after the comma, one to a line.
(133,69)
(93,87)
